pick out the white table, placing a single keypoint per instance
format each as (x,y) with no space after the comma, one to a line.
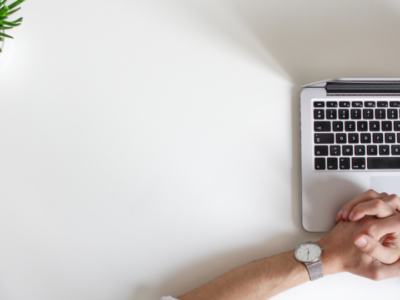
(150,146)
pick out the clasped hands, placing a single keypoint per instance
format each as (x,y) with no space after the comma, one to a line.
(366,240)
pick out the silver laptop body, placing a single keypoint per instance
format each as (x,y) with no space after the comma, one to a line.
(350,142)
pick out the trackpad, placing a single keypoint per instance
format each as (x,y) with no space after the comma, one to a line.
(387,184)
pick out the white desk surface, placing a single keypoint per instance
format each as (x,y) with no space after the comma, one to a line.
(149,146)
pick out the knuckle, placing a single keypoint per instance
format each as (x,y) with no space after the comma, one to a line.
(371,228)
(392,199)
(378,204)
(371,193)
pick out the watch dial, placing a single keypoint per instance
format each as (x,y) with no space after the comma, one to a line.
(308,252)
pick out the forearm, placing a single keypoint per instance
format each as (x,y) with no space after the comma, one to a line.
(257,280)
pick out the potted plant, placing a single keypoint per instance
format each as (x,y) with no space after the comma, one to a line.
(5,24)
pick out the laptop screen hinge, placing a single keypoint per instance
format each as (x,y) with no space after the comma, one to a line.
(372,88)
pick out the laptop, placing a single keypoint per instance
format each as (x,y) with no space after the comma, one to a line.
(350,142)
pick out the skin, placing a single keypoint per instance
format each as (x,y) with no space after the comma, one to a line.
(382,245)
(267,277)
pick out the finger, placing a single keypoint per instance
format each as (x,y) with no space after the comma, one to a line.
(370,195)
(376,207)
(346,209)
(373,248)
(392,200)
(377,228)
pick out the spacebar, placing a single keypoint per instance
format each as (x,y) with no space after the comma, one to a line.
(383,162)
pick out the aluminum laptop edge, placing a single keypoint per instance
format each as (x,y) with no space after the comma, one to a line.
(325,191)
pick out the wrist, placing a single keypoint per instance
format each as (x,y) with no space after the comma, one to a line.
(330,258)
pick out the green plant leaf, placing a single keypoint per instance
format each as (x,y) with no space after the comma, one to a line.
(5,35)
(9,23)
(4,11)
(13,11)
(14,4)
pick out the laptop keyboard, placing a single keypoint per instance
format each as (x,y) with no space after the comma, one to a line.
(356,135)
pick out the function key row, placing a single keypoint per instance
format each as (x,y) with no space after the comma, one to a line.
(357,103)
(355,114)
(326,126)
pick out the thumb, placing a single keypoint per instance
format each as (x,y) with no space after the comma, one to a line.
(373,248)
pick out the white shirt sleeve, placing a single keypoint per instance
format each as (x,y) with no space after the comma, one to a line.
(168,298)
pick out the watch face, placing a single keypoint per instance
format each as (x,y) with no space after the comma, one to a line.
(308,252)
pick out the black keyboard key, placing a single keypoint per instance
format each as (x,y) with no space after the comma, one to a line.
(319,104)
(320,163)
(377,138)
(332,163)
(368,114)
(347,150)
(394,103)
(321,151)
(357,104)
(396,126)
(372,150)
(365,138)
(344,104)
(374,126)
(356,114)
(350,126)
(383,104)
(331,114)
(331,104)
(341,138)
(344,163)
(390,138)
(335,150)
(358,163)
(322,126)
(384,150)
(319,114)
(380,114)
(398,138)
(337,126)
(359,150)
(343,114)
(396,150)
(369,103)
(392,114)
(386,125)
(324,138)
(362,126)
(383,162)
(353,138)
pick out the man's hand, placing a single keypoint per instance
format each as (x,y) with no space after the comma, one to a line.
(340,254)
(378,233)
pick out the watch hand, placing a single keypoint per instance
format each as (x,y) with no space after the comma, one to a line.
(308,253)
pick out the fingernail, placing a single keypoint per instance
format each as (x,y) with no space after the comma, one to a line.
(361,242)
(339,215)
(351,215)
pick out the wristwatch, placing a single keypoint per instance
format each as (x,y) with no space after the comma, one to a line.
(310,254)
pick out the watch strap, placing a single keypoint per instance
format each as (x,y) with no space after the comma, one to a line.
(315,270)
